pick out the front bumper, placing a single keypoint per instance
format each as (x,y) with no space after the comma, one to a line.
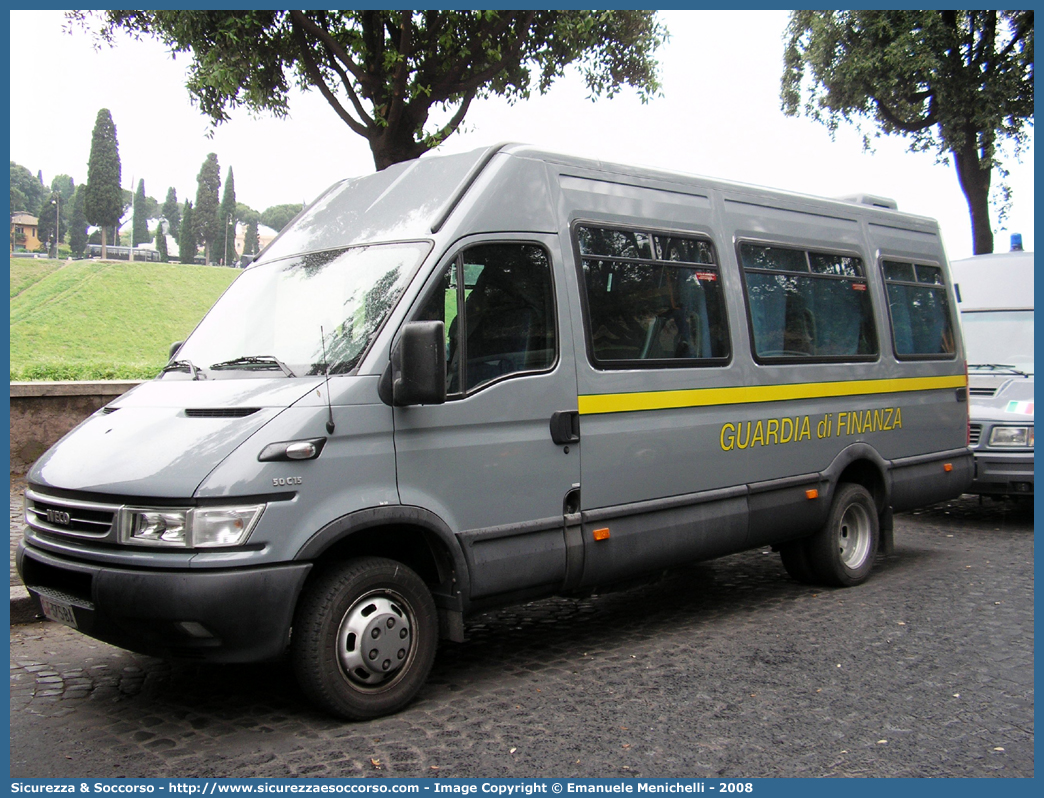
(227,615)
(1003,473)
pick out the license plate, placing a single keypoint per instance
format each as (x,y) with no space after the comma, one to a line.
(56,611)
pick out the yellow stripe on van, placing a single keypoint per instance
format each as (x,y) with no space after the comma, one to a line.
(706,397)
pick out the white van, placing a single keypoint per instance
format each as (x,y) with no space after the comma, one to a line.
(474,380)
(995,299)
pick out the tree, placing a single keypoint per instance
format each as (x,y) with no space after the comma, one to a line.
(103,203)
(208,226)
(140,223)
(51,212)
(228,217)
(279,216)
(385,72)
(161,243)
(187,239)
(171,212)
(64,185)
(26,191)
(251,240)
(959,83)
(78,223)
(246,214)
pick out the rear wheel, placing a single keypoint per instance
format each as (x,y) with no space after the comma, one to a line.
(842,552)
(364,639)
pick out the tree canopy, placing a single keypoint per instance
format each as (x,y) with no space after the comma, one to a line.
(187,239)
(171,212)
(959,83)
(384,73)
(27,192)
(279,216)
(78,223)
(140,221)
(103,202)
(228,217)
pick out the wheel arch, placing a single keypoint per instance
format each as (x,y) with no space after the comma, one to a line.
(413,536)
(861,464)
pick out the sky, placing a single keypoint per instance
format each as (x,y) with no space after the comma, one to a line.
(719,115)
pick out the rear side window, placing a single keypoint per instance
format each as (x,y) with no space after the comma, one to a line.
(919,309)
(497,303)
(652,299)
(805,304)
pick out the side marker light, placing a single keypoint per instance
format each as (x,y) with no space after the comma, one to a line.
(601,534)
(812,494)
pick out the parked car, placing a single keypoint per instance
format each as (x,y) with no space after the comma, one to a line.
(995,298)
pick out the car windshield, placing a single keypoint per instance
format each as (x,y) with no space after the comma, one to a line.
(999,338)
(280,317)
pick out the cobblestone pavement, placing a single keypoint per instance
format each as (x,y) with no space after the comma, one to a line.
(723,669)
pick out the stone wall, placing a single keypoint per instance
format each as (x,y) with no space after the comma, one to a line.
(42,412)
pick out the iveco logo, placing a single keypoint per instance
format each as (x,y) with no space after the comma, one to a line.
(58,517)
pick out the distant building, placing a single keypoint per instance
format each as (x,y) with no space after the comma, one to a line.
(24,229)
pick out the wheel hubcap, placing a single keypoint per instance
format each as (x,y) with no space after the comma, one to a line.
(374,639)
(854,536)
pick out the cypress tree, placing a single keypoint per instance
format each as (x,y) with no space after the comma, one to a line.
(187,240)
(208,226)
(78,223)
(251,241)
(227,214)
(140,224)
(103,202)
(172,213)
(161,242)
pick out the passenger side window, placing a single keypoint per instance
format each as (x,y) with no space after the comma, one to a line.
(805,304)
(919,310)
(497,303)
(651,298)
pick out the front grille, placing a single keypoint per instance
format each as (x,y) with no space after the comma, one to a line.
(69,516)
(974,432)
(982,391)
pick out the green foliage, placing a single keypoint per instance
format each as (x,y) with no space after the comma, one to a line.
(27,192)
(384,72)
(140,223)
(246,214)
(103,203)
(251,241)
(227,215)
(161,243)
(51,208)
(205,219)
(172,213)
(959,83)
(279,216)
(64,185)
(78,223)
(187,239)
(91,320)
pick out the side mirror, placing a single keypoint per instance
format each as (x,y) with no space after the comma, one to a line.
(174,348)
(418,365)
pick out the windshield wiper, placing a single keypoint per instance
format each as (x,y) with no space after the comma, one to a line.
(184,365)
(997,367)
(255,361)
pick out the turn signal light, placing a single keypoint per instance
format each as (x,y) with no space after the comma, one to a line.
(602,534)
(812,493)
(948,467)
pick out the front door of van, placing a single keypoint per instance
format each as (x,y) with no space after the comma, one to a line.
(485,461)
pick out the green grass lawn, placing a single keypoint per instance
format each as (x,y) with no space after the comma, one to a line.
(104,320)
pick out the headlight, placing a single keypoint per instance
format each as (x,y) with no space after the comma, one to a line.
(188,528)
(1014,437)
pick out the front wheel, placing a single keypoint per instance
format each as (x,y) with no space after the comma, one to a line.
(842,552)
(364,638)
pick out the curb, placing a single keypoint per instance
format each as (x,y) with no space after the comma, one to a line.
(23,608)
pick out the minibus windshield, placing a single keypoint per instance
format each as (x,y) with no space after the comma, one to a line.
(295,316)
(999,339)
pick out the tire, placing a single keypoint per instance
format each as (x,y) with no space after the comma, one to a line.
(368,600)
(842,552)
(795,560)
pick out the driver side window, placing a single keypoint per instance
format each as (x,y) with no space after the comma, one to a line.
(497,303)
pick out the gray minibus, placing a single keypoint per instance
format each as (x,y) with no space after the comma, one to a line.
(480,379)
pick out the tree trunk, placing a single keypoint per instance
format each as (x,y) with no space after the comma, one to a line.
(975,183)
(389,147)
(104,253)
